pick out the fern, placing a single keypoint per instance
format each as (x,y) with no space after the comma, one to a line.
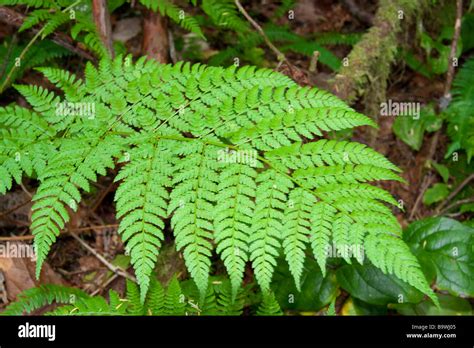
(225,14)
(140,204)
(269,306)
(169,301)
(217,152)
(53,14)
(290,41)
(459,113)
(233,216)
(37,298)
(42,52)
(283,8)
(390,254)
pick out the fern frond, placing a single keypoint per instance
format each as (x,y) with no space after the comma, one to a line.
(391,255)
(54,22)
(343,174)
(68,83)
(74,166)
(328,152)
(169,125)
(341,234)
(284,129)
(459,113)
(334,192)
(267,226)
(174,301)
(141,205)
(233,217)
(192,200)
(96,305)
(322,217)
(227,303)
(135,304)
(35,18)
(25,145)
(224,14)
(36,298)
(296,231)
(38,54)
(269,306)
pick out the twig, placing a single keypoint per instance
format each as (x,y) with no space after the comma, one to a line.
(15,208)
(102,196)
(314,62)
(455,204)
(452,54)
(424,186)
(117,270)
(25,190)
(447,88)
(101,16)
(104,285)
(455,192)
(280,56)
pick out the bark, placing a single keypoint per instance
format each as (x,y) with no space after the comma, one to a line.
(156,43)
(102,21)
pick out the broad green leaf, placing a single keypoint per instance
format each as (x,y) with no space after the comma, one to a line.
(316,291)
(446,246)
(354,306)
(435,194)
(449,305)
(411,129)
(370,285)
(442,170)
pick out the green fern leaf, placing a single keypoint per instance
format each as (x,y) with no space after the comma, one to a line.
(269,306)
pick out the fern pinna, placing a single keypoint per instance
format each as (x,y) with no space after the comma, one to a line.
(221,155)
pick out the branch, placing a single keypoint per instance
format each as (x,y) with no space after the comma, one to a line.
(452,54)
(427,181)
(101,16)
(117,270)
(455,204)
(455,192)
(373,55)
